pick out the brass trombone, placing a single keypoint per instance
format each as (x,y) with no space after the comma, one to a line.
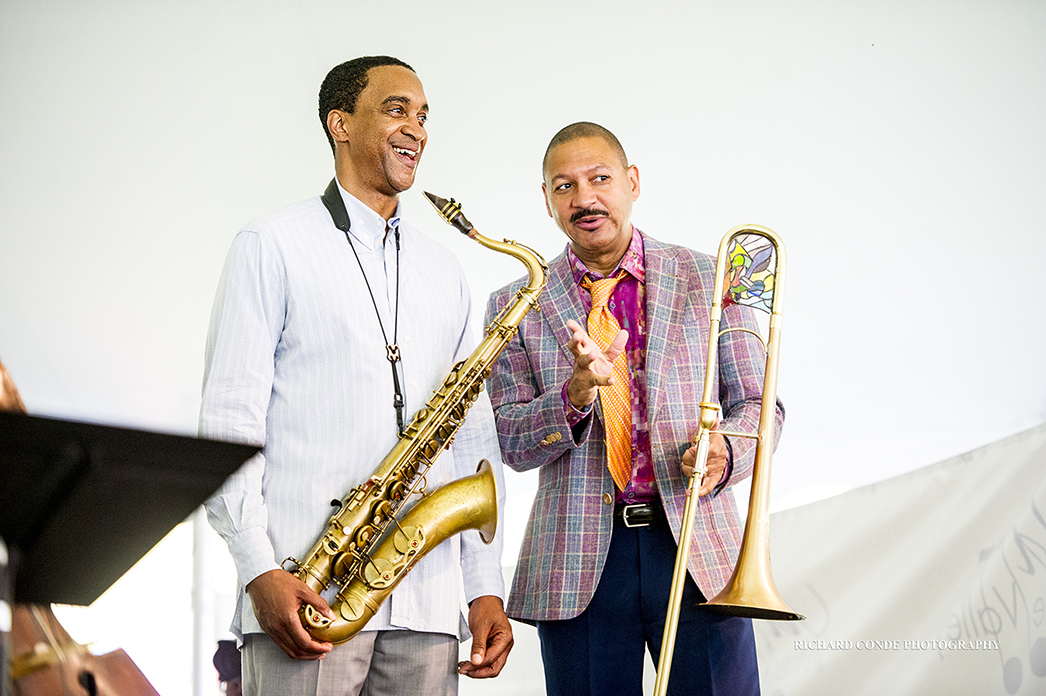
(743,277)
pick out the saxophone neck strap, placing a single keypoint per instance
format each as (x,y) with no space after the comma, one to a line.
(335,205)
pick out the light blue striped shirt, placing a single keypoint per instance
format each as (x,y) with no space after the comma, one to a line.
(296,361)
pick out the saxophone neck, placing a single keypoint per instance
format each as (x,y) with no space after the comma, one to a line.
(537,269)
(450,211)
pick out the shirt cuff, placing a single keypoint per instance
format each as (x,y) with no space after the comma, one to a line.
(252,553)
(729,469)
(482,575)
(574,414)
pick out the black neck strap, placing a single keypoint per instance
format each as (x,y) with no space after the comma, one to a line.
(332,200)
(336,206)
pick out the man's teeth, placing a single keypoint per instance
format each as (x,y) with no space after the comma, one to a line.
(408,153)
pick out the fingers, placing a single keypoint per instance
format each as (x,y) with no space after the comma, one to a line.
(309,596)
(491,639)
(489,658)
(304,642)
(708,485)
(276,596)
(591,370)
(294,640)
(287,632)
(715,466)
(498,648)
(717,446)
(689,460)
(580,342)
(488,668)
(479,644)
(616,346)
(585,369)
(712,477)
(590,358)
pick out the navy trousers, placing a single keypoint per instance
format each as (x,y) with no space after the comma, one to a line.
(601,651)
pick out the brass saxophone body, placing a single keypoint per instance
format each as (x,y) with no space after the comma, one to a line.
(366,550)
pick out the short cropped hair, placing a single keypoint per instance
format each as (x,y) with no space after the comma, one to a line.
(344,83)
(583,129)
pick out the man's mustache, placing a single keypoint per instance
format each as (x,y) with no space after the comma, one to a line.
(588,212)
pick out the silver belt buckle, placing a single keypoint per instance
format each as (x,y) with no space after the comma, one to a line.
(625,516)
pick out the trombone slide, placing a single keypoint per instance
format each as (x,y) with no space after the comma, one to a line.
(751,591)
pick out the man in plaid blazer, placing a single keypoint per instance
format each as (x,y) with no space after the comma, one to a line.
(595,567)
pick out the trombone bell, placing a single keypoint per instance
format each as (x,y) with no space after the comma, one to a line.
(751,591)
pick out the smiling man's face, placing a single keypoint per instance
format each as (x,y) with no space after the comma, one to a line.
(386,133)
(589,192)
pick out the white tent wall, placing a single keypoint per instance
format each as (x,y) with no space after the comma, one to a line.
(933,582)
(897,148)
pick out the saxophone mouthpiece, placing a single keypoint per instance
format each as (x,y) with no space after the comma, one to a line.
(451,212)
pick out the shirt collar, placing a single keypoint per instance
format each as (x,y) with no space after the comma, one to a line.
(366,225)
(633,262)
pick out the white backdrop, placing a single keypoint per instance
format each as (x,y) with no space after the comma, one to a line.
(897,148)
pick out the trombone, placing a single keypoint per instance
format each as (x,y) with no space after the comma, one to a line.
(750,270)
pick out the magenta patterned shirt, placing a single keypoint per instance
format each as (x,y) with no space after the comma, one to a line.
(628,305)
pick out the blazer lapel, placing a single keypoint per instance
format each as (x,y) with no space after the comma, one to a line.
(561,301)
(665,302)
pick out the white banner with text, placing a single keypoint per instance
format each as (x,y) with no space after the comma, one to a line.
(930,583)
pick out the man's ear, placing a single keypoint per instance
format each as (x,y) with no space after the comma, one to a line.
(337,125)
(633,177)
(544,194)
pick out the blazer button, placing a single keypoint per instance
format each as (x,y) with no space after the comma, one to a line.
(608,499)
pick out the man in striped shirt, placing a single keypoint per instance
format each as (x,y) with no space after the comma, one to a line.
(315,303)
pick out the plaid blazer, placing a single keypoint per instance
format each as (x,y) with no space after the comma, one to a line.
(568,533)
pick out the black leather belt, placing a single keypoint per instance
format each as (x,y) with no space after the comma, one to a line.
(639,514)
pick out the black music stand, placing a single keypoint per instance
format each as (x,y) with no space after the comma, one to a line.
(81,503)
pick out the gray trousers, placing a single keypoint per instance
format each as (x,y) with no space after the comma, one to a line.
(374,663)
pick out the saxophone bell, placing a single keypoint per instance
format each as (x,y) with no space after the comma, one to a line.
(467,503)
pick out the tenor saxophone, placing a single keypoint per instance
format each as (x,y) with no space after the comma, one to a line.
(367,549)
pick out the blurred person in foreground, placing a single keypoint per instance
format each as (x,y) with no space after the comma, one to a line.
(227,661)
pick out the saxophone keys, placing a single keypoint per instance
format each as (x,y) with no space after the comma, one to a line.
(409,540)
(379,573)
(351,608)
(382,511)
(330,544)
(363,536)
(315,619)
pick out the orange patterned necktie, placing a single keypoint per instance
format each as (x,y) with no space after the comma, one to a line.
(615,398)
